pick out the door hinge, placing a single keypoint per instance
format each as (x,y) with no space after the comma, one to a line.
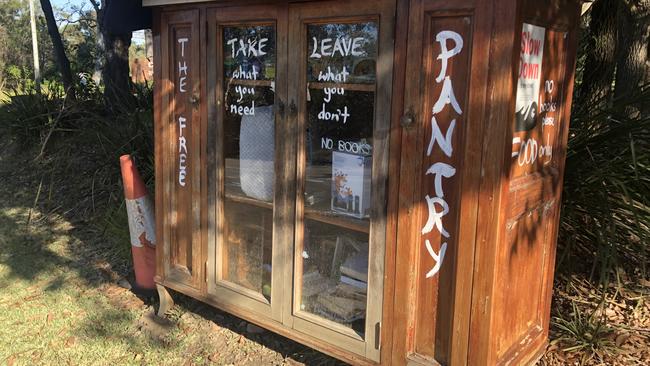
(378,336)
(206,272)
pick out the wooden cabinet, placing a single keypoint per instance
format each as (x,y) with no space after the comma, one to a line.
(379,180)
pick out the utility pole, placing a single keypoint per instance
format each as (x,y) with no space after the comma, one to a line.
(37,67)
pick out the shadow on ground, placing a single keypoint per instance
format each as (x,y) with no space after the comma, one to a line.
(63,265)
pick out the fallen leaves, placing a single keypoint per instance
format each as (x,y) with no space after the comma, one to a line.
(624,309)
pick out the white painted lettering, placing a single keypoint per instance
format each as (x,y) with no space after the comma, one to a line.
(445,53)
(182,149)
(440,170)
(339,77)
(325,115)
(182,83)
(438,258)
(250,47)
(435,217)
(342,47)
(445,142)
(182,42)
(447,97)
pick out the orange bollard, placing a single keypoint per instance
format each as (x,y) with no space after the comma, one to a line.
(141,224)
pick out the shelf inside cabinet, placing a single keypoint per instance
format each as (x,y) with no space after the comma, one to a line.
(335,219)
(247,82)
(347,86)
(239,198)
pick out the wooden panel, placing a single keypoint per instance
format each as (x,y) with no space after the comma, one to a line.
(392,314)
(531,212)
(439,176)
(493,179)
(523,197)
(179,147)
(440,185)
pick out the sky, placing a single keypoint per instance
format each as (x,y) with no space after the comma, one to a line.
(66,3)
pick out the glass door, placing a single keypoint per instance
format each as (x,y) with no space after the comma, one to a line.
(341,86)
(247,72)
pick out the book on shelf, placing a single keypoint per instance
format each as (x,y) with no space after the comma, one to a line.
(356,284)
(356,266)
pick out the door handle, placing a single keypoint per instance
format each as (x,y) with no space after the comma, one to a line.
(194,99)
(407,119)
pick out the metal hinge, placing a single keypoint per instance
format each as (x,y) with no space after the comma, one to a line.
(206,272)
(378,336)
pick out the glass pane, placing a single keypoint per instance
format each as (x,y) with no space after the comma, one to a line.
(341,75)
(249,150)
(335,274)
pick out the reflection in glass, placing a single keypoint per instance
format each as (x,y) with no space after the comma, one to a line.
(341,76)
(249,148)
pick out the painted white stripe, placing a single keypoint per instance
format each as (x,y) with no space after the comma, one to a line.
(141,221)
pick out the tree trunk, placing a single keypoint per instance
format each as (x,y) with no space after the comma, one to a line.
(99,43)
(99,56)
(116,70)
(114,52)
(600,62)
(632,63)
(62,61)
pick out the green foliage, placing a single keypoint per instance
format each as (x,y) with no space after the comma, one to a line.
(78,30)
(80,40)
(30,115)
(606,208)
(586,333)
(18,60)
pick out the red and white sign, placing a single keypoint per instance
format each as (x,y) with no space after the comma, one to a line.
(528,80)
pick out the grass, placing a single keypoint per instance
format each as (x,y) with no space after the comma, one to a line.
(64,246)
(64,251)
(584,332)
(57,304)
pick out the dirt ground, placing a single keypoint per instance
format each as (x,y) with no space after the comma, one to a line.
(64,296)
(64,280)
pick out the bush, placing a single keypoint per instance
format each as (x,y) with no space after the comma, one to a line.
(84,139)
(606,205)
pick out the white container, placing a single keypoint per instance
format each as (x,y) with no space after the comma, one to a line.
(351,181)
(256,154)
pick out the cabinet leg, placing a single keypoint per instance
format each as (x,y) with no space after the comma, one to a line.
(166,301)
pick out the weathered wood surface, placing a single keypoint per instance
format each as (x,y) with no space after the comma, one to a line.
(502,218)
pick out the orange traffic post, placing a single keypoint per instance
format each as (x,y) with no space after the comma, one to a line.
(141,224)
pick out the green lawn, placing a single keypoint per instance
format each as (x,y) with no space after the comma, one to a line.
(61,268)
(58,305)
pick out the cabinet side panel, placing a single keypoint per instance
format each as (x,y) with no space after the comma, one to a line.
(539,121)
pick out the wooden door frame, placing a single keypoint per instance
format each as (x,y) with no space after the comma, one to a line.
(224,291)
(300,15)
